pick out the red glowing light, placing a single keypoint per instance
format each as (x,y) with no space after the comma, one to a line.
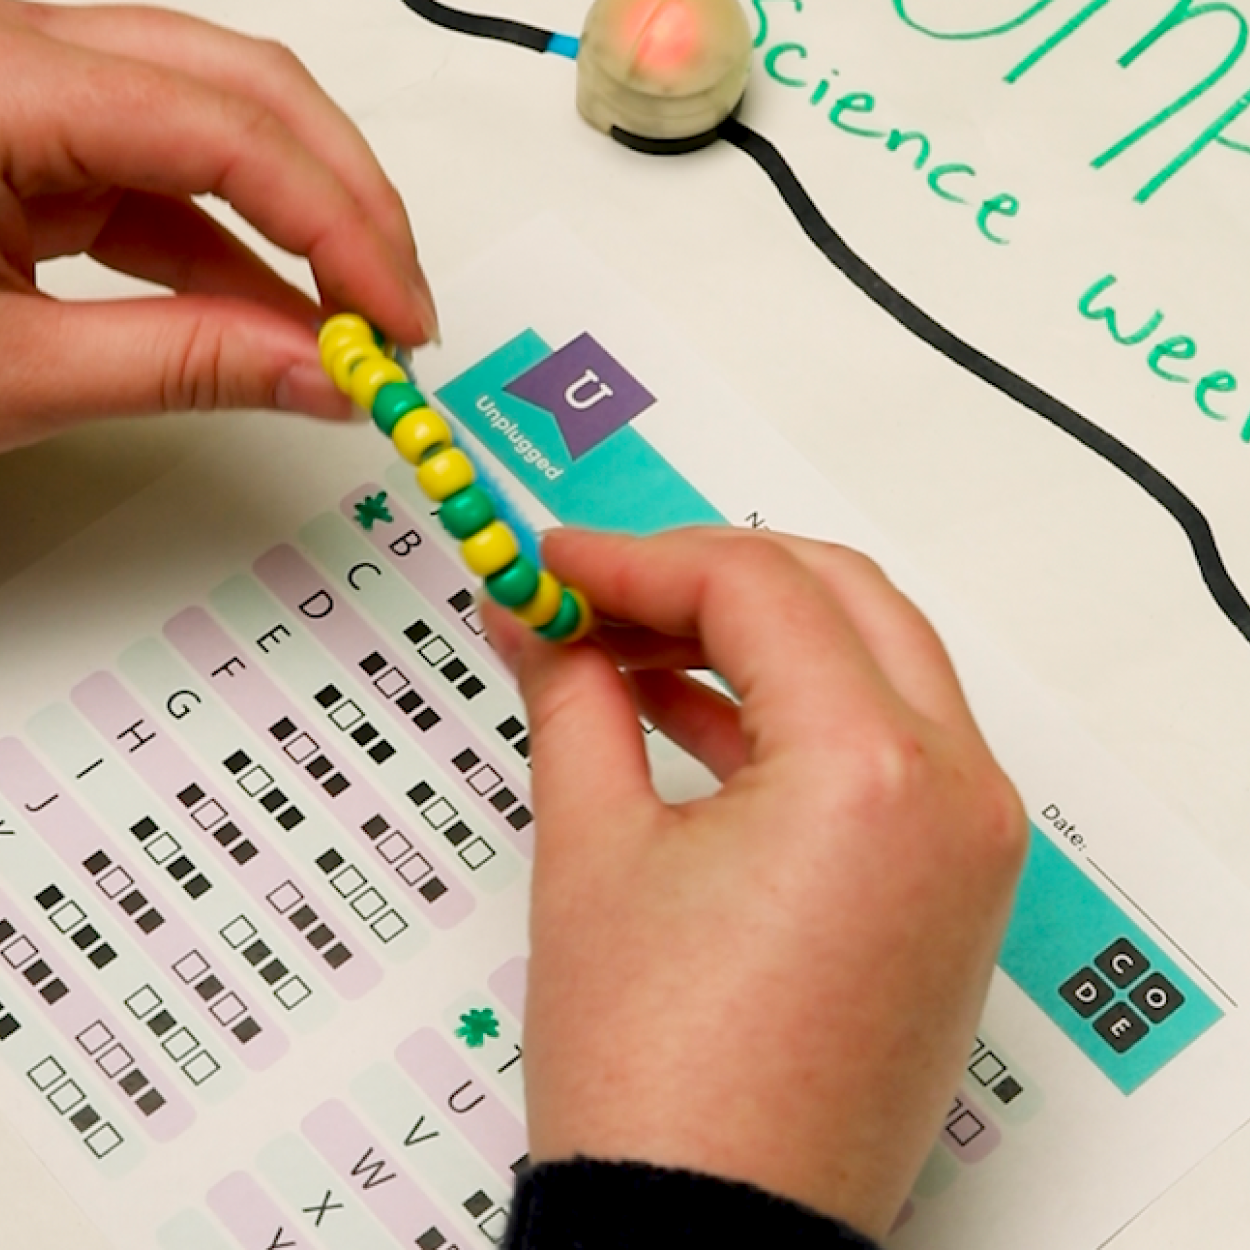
(663,34)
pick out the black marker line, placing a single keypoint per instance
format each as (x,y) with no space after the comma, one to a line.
(914,319)
(481,26)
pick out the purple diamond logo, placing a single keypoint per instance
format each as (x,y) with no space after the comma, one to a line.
(590,394)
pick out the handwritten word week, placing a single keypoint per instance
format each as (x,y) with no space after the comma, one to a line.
(1226,23)
(854,113)
(1166,354)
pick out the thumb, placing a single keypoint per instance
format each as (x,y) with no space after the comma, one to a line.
(61,363)
(589,762)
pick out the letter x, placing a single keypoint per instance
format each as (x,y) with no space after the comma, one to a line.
(320,1210)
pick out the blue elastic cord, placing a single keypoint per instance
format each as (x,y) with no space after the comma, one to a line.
(564,45)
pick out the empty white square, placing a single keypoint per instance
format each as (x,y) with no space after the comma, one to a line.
(435,650)
(389,926)
(238,931)
(209,814)
(347,715)
(285,897)
(368,904)
(394,847)
(348,880)
(66,1097)
(46,1073)
(292,992)
(477,853)
(162,848)
(114,882)
(392,683)
(115,1060)
(228,1008)
(20,951)
(68,916)
(191,966)
(144,1001)
(301,748)
(103,1140)
(95,1037)
(200,1067)
(439,813)
(484,779)
(255,781)
(415,870)
(180,1043)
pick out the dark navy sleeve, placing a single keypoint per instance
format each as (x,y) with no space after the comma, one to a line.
(588,1205)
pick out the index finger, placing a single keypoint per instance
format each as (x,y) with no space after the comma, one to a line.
(768,625)
(128,123)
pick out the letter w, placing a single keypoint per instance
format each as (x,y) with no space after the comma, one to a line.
(371,1171)
(1108,314)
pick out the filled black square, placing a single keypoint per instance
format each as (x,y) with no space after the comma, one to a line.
(246,1029)
(144,829)
(161,1023)
(465,760)
(510,728)
(454,670)
(457,833)
(337,955)
(462,600)
(335,785)
(477,1204)
(417,632)
(319,767)
(49,897)
(1086,992)
(209,988)
(8,1026)
(133,1082)
(1121,1027)
(96,863)
(198,886)
(472,686)
(273,971)
(243,852)
(1121,963)
(6,930)
(150,1102)
(409,701)
(502,799)
(421,793)
(329,861)
(190,796)
(302,916)
(54,991)
(382,752)
(290,818)
(1008,1089)
(433,890)
(150,921)
(180,867)
(426,719)
(84,1119)
(373,663)
(237,762)
(37,971)
(282,729)
(132,902)
(88,935)
(1156,998)
(520,818)
(227,833)
(365,734)
(375,827)
(273,800)
(321,936)
(256,952)
(103,955)
(328,696)
(431,1239)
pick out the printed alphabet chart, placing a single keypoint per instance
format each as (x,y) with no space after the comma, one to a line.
(265,835)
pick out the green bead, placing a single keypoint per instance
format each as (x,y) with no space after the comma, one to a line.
(467,512)
(515,585)
(565,621)
(393,401)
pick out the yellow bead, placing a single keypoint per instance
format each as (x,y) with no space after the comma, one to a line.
(542,608)
(346,328)
(370,377)
(347,359)
(490,549)
(445,473)
(587,621)
(420,432)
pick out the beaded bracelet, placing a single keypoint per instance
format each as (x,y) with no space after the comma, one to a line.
(356,358)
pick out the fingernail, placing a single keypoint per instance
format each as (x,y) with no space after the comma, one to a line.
(306,388)
(429,314)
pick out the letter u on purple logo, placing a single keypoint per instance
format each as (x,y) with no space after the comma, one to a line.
(590,394)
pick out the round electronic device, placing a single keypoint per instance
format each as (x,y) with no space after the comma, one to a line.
(661,75)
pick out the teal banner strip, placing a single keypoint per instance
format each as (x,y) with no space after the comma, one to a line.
(1062,923)
(623,484)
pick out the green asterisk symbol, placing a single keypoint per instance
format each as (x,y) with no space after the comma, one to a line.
(476,1026)
(372,509)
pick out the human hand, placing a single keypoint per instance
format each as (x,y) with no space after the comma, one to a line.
(778,984)
(111,120)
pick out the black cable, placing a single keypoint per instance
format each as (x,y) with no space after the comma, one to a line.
(914,319)
(481,26)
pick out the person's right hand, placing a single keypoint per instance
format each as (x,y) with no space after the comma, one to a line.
(778,984)
(111,120)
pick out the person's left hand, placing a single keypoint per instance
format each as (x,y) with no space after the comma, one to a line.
(112,121)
